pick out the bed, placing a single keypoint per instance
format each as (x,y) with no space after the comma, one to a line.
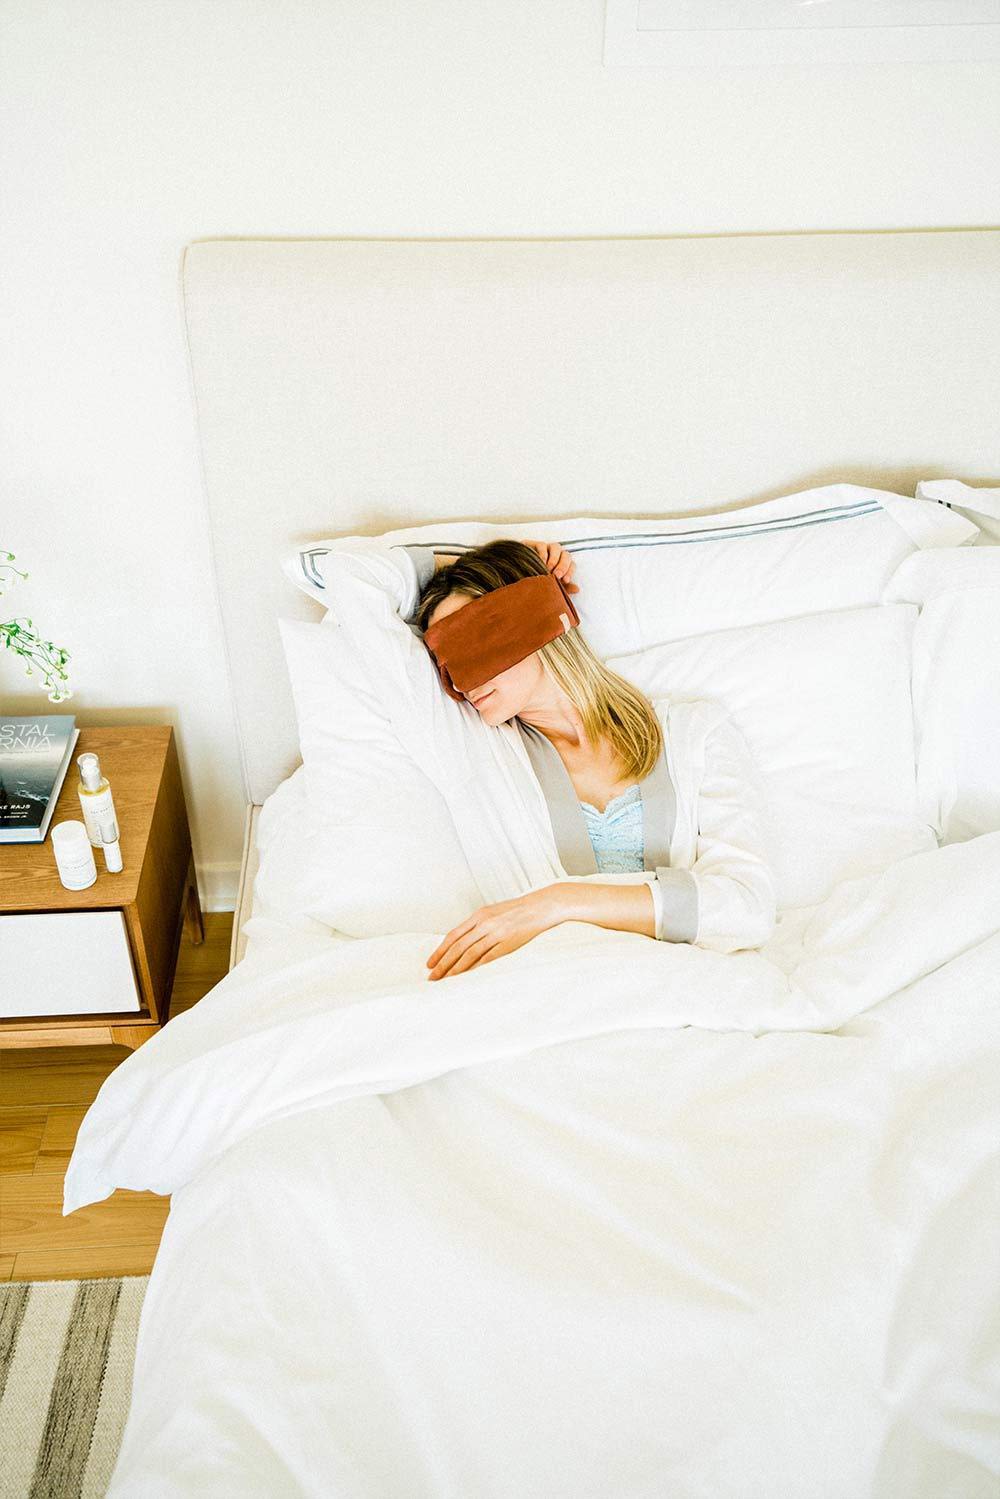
(607,1216)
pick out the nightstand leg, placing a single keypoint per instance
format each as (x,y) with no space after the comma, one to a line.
(132,1036)
(193,924)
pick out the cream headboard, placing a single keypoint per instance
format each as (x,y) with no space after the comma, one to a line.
(357,385)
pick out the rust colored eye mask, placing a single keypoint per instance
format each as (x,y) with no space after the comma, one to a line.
(497,630)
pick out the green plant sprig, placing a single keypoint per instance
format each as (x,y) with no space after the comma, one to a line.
(19,636)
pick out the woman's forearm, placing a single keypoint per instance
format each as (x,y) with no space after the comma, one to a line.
(626,908)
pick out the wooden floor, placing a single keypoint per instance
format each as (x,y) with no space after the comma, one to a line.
(44,1094)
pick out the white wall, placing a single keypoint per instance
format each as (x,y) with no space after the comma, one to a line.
(128,129)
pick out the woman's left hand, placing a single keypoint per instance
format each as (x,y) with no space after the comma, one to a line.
(495,930)
(558,561)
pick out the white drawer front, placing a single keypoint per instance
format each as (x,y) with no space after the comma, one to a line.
(65,963)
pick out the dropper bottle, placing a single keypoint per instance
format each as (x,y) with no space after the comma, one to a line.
(96,800)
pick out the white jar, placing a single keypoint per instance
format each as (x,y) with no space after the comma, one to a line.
(74,855)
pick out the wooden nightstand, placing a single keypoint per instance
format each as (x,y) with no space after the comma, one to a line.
(126,926)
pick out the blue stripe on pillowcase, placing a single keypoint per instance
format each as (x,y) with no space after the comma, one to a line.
(308,565)
(738,531)
(719,533)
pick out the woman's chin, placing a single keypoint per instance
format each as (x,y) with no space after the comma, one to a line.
(493,714)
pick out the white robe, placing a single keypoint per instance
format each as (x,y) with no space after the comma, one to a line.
(486,778)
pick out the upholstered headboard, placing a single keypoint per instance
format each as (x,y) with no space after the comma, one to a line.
(357,385)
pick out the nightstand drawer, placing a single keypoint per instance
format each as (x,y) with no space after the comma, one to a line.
(66,963)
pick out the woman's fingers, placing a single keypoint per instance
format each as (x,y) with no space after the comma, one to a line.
(450,938)
(443,958)
(493,952)
(474,954)
(564,572)
(461,956)
(558,561)
(453,946)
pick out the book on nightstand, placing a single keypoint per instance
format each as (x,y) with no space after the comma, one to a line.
(35,752)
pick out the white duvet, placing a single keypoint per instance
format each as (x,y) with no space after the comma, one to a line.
(604,1217)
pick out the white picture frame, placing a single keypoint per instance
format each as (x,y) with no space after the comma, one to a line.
(740,33)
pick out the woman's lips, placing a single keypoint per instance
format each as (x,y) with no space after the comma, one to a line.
(477,700)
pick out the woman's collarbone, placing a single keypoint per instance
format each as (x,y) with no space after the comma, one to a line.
(595,783)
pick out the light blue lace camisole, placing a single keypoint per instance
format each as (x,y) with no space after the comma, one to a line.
(616,834)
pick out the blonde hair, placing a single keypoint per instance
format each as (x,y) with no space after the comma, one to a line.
(613,710)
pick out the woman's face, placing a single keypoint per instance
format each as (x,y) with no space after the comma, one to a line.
(504,696)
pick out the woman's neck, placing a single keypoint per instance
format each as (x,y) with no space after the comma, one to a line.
(565,736)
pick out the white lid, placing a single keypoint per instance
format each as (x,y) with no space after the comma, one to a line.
(69,834)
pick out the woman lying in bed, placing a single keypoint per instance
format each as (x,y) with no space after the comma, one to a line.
(630,784)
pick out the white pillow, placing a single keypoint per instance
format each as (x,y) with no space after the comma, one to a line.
(381,853)
(284,881)
(643,582)
(825,706)
(956,686)
(978,503)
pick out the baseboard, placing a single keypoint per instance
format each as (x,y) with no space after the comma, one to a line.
(218,885)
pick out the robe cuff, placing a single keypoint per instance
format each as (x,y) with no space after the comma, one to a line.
(677,908)
(656,890)
(423,561)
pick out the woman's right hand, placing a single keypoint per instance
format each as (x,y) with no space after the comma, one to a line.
(558,561)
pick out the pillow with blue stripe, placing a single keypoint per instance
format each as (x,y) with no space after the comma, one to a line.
(645,582)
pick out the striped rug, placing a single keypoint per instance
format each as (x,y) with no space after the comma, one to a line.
(67,1350)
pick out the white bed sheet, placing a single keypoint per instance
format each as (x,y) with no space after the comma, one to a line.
(603,1217)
